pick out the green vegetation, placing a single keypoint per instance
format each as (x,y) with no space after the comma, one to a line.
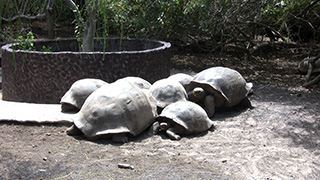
(27,43)
(210,25)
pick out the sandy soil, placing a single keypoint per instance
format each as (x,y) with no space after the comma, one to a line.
(278,139)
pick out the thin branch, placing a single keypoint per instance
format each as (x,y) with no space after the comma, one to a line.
(311,5)
(238,48)
(73,7)
(252,51)
(243,33)
(25,6)
(24,17)
(309,23)
(266,26)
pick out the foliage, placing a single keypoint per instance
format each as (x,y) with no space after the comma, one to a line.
(46,49)
(289,18)
(62,12)
(12,25)
(27,43)
(209,24)
(216,22)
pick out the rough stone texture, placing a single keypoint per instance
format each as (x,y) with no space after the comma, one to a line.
(43,77)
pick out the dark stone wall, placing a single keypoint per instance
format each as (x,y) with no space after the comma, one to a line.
(44,77)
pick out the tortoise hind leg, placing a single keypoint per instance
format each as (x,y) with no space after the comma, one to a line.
(209,105)
(244,104)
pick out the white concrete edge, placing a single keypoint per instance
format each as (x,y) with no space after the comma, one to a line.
(30,112)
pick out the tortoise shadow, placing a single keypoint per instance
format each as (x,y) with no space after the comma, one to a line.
(53,124)
(164,136)
(230,112)
(108,140)
(101,140)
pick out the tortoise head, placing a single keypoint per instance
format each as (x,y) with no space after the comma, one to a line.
(198,93)
(164,126)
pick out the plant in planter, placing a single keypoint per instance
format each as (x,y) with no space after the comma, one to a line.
(43,77)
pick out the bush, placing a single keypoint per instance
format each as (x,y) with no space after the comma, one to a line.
(204,22)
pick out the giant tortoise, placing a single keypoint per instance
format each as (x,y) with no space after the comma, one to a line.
(218,87)
(182,118)
(115,110)
(79,91)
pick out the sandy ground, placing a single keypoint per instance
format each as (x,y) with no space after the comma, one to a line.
(278,139)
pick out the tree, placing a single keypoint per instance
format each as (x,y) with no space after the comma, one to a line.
(89,29)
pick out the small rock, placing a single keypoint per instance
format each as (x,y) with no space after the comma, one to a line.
(125,166)
(251,122)
(45,158)
(48,134)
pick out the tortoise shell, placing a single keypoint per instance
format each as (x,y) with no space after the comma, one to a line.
(167,91)
(116,108)
(182,78)
(141,83)
(192,117)
(79,92)
(227,85)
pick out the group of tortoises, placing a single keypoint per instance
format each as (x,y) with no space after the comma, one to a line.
(179,105)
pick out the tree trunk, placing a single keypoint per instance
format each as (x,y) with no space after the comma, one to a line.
(90,28)
(90,25)
(50,19)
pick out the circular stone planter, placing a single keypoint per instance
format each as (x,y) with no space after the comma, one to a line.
(44,77)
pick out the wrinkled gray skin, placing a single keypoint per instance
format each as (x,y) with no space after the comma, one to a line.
(182,118)
(167,91)
(141,83)
(182,78)
(79,91)
(304,65)
(115,110)
(219,87)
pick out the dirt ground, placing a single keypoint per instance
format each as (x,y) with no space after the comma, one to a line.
(278,139)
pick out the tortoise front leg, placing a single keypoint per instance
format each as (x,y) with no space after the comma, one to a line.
(73,131)
(171,132)
(65,107)
(120,138)
(209,105)
(154,129)
(245,103)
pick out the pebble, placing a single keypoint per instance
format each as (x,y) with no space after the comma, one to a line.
(125,166)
